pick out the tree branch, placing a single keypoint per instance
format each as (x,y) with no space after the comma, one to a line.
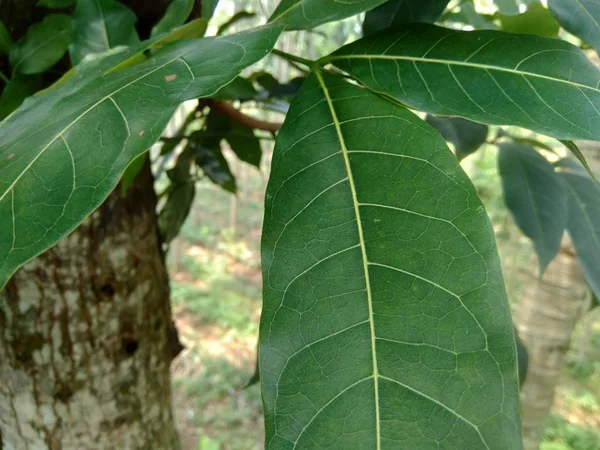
(243,119)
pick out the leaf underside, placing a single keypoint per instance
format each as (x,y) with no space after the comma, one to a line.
(385,323)
(546,85)
(579,17)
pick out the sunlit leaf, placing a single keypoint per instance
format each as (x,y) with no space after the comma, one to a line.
(303,14)
(512,7)
(100,25)
(385,322)
(536,20)
(546,85)
(396,12)
(579,17)
(467,136)
(62,152)
(177,13)
(43,46)
(536,196)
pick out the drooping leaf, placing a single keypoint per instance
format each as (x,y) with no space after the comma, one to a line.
(577,153)
(99,25)
(16,91)
(176,209)
(239,89)
(536,196)
(546,85)
(205,149)
(177,13)
(5,40)
(306,14)
(56,3)
(584,224)
(237,17)
(62,152)
(536,20)
(43,46)
(579,17)
(467,136)
(385,322)
(208,8)
(396,12)
(244,144)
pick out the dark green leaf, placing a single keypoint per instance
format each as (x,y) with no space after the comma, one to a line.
(239,89)
(584,224)
(43,46)
(5,40)
(396,12)
(579,17)
(546,85)
(536,20)
(18,89)
(63,152)
(208,156)
(536,196)
(176,14)
(132,171)
(385,322)
(244,144)
(577,153)
(265,80)
(523,358)
(208,8)
(176,209)
(305,14)
(466,136)
(286,90)
(255,378)
(525,140)
(100,25)
(595,303)
(56,3)
(242,15)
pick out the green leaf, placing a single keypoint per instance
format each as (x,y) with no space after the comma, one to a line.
(208,8)
(239,89)
(396,12)
(584,224)
(43,46)
(244,144)
(16,91)
(206,151)
(579,17)
(465,135)
(63,152)
(5,40)
(467,15)
(237,17)
(577,153)
(176,209)
(132,171)
(511,7)
(385,322)
(56,3)
(523,358)
(303,14)
(536,20)
(536,196)
(176,14)
(546,85)
(99,25)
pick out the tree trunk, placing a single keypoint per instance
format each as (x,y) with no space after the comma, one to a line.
(545,317)
(86,337)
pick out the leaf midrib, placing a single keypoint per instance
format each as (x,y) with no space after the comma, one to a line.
(416,59)
(356,206)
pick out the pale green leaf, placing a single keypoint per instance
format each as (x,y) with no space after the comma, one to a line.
(546,85)
(56,3)
(385,323)
(62,152)
(43,46)
(176,14)
(579,17)
(99,25)
(5,39)
(536,196)
(536,20)
(396,12)
(303,14)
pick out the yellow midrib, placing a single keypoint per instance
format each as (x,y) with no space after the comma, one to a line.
(344,149)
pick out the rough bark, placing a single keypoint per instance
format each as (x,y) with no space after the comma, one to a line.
(545,317)
(86,334)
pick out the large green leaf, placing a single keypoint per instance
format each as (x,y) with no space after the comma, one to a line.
(43,45)
(579,17)
(396,12)
(465,135)
(546,85)
(536,196)
(99,25)
(176,14)
(62,152)
(303,14)
(385,323)
(584,223)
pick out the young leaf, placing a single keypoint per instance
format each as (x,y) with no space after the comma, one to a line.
(5,40)
(43,45)
(62,152)
(584,224)
(579,17)
(100,25)
(486,76)
(396,12)
(56,3)
(536,196)
(383,296)
(304,14)
(466,136)
(16,91)
(176,14)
